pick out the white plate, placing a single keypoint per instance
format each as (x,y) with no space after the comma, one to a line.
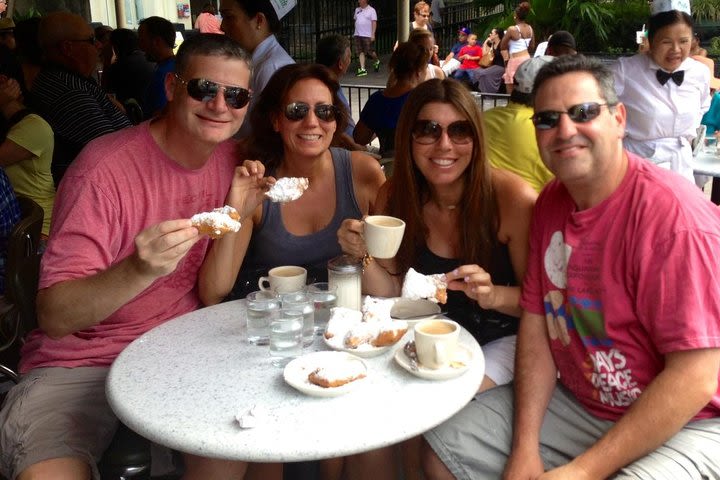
(296,373)
(463,354)
(417,309)
(365,350)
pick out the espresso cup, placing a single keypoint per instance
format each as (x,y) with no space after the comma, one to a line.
(383,235)
(287,278)
(436,342)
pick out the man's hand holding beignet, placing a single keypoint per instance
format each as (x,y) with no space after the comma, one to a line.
(159,248)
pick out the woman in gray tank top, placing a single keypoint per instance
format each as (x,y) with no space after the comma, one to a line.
(294,123)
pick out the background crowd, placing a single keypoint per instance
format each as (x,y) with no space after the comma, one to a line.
(576,251)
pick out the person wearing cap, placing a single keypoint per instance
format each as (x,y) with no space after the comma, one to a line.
(510,132)
(254,25)
(561,43)
(617,365)
(451,63)
(665,91)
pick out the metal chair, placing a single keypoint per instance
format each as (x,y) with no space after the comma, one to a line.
(128,456)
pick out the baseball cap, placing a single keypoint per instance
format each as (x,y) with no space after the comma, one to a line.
(561,38)
(464,31)
(528,70)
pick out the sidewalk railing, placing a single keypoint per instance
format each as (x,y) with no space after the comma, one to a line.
(357,95)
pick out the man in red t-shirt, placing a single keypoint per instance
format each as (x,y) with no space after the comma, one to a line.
(123,257)
(618,352)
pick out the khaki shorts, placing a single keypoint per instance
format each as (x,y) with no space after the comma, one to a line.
(475,443)
(54,413)
(363,45)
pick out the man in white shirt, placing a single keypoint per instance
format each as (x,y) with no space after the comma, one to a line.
(365,18)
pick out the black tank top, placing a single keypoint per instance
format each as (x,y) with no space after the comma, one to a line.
(484,325)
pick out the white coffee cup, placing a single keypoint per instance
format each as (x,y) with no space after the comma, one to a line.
(287,278)
(383,235)
(436,342)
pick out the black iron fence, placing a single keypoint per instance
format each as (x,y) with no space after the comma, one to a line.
(311,20)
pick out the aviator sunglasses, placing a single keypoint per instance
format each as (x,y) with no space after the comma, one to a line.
(203,90)
(296,111)
(427,132)
(582,113)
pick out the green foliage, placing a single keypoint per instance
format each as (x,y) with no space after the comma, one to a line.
(19,16)
(597,26)
(706,9)
(714,47)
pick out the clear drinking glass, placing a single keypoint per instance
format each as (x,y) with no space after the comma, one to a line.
(303,302)
(262,308)
(324,298)
(286,335)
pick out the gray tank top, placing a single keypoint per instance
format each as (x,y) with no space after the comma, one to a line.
(272,245)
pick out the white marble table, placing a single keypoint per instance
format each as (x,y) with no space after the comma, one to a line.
(182,383)
(707,163)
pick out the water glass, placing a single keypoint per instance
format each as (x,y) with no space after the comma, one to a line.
(710,144)
(262,308)
(303,302)
(324,298)
(286,334)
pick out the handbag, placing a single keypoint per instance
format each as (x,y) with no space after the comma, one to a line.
(487,58)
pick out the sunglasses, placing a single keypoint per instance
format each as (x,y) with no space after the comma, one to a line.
(582,113)
(427,132)
(424,15)
(204,90)
(325,112)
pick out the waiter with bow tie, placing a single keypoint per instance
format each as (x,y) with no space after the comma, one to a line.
(664,91)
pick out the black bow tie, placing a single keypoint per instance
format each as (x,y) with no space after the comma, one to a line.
(677,77)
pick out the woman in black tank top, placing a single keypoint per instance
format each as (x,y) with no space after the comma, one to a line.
(463,218)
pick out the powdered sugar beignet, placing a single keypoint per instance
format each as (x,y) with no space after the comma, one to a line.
(287,189)
(218,222)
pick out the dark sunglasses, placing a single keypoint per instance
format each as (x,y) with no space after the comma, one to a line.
(427,132)
(582,113)
(296,111)
(204,90)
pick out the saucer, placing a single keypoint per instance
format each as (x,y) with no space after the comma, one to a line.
(296,373)
(463,355)
(414,311)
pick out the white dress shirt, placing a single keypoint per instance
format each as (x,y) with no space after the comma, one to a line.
(662,120)
(267,57)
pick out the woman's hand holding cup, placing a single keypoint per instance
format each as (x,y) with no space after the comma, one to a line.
(350,238)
